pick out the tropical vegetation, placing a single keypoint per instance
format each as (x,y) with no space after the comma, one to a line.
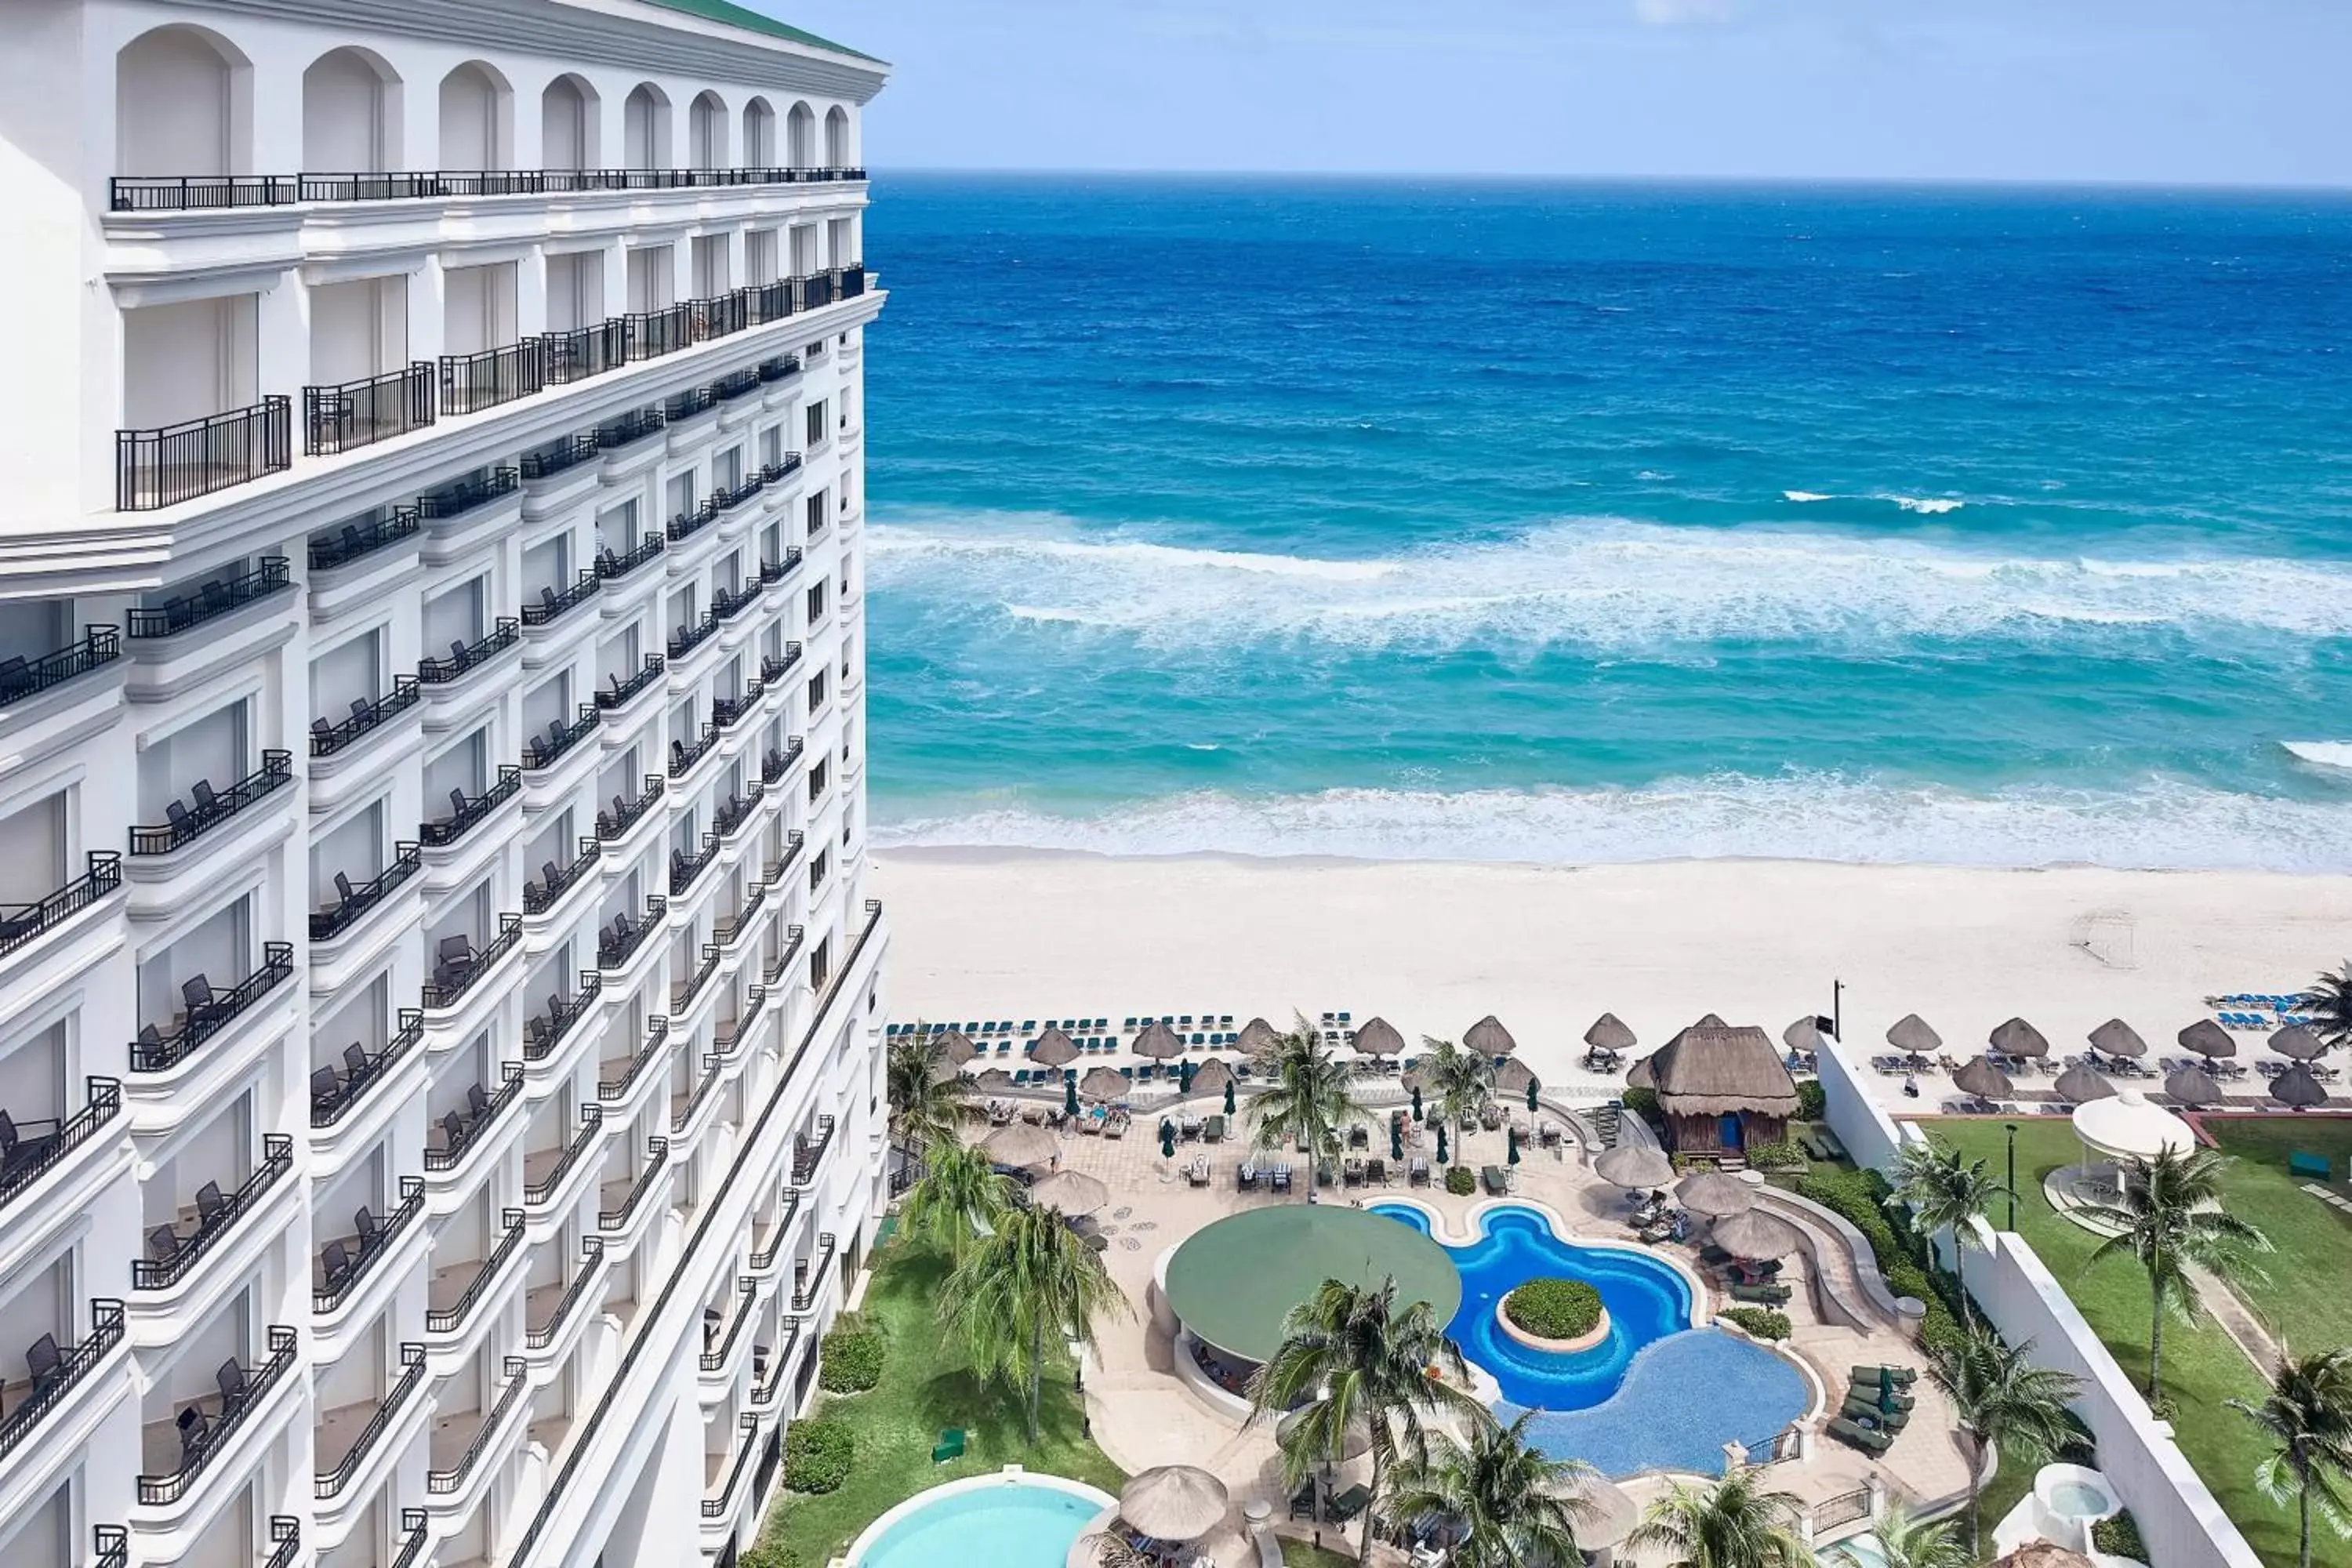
(1734,1522)
(927,1092)
(2328,1005)
(2005,1404)
(2171,1221)
(1551,1308)
(1030,1286)
(960,1198)
(2306,1418)
(1945,1190)
(1908,1543)
(1460,1084)
(1309,1101)
(1503,1501)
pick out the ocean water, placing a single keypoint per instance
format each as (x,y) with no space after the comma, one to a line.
(1574,523)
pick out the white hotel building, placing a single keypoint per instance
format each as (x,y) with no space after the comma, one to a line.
(439,1007)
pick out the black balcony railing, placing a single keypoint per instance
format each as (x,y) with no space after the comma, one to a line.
(734,812)
(683,993)
(764,1258)
(611,567)
(357,540)
(653,333)
(808,1154)
(715,1357)
(694,400)
(362,1071)
(583,351)
(539,1336)
(468,1129)
(416,1535)
(729,1036)
(441,1483)
(686,869)
(326,739)
(615,693)
(727,388)
(626,814)
(682,757)
(552,606)
(198,192)
(684,640)
(210,1012)
(328,1485)
(160,1273)
(775,666)
(188,823)
(329,1293)
(689,523)
(36,1148)
(629,428)
(766,1389)
(774,572)
(618,943)
(592,1130)
(656,1161)
(808,1274)
(190,610)
(209,1436)
(779,367)
(543,1032)
(793,935)
(174,463)
(362,413)
(554,880)
(614,1090)
(286,1541)
(471,383)
(726,713)
(467,656)
(725,605)
(463,496)
(454,977)
(544,751)
(53,1383)
(448,1319)
(747,1443)
(21,677)
(20,923)
(112,1544)
(719,316)
(466,814)
(778,763)
(556,457)
(713,1070)
(328,925)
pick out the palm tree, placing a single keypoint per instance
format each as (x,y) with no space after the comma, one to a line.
(1504,1500)
(1031,1283)
(2307,1417)
(927,1093)
(1357,1361)
(2171,1220)
(960,1196)
(1310,1102)
(1462,1083)
(1729,1523)
(2004,1403)
(2329,1003)
(1945,1190)
(1908,1543)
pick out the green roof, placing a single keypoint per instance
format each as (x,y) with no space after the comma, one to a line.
(752,21)
(1232,1283)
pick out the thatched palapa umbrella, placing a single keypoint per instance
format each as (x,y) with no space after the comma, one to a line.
(1609,1032)
(1911,1034)
(2078,1085)
(941,1070)
(1158,1041)
(1072,1192)
(2207,1038)
(2193,1086)
(1257,1037)
(1212,1078)
(1104,1083)
(1636,1165)
(2117,1038)
(1378,1037)
(1755,1236)
(1489,1038)
(1021,1145)
(2296,1087)
(1715,1194)
(1642,1074)
(1804,1035)
(2018,1038)
(1173,1502)
(1514,1078)
(2298,1044)
(955,1048)
(995,1080)
(1607,1515)
(1054,1049)
(1980,1080)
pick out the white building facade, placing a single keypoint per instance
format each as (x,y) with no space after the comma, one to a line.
(439,1005)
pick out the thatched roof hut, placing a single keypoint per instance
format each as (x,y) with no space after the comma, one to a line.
(1514,1078)
(1609,1032)
(954,1047)
(1104,1083)
(1804,1035)
(1721,1087)
(1378,1037)
(1911,1034)
(1489,1038)
(2018,1038)
(1212,1078)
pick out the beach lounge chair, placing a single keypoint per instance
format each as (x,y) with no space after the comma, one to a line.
(949,1447)
(1245,1177)
(1417,1171)
(1213,1131)
(1302,1504)
(1762,1295)
(1497,1183)
(1279,1178)
(1861,1438)
(1348,1504)
(1197,1172)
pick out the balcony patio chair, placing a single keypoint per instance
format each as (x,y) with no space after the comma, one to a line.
(344,891)
(370,1229)
(536,1034)
(359,706)
(456,803)
(547,601)
(456,651)
(210,1202)
(356,1064)
(204,797)
(326,1087)
(338,1267)
(175,815)
(201,1006)
(195,1428)
(15,676)
(477,1102)
(549,876)
(353,544)
(234,1388)
(44,1364)
(17,1149)
(457,952)
(453,1131)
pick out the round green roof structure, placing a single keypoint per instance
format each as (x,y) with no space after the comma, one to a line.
(1232,1282)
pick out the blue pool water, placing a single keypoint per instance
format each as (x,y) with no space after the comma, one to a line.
(1658,1393)
(1009,1526)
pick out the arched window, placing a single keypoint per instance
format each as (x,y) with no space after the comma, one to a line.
(800,137)
(645,128)
(837,138)
(759,135)
(567,124)
(184,105)
(351,114)
(706,133)
(477,119)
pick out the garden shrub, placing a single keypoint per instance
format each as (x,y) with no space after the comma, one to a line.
(1644,1103)
(1554,1309)
(1859,1196)
(1460,1182)
(1776,1156)
(1762,1321)
(770,1552)
(1812,1103)
(849,1360)
(817,1455)
(2119,1537)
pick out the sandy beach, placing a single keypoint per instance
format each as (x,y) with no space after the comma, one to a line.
(1433,946)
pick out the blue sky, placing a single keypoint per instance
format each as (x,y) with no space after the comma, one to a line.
(2189,92)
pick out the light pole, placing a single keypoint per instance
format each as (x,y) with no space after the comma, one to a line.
(1837,1009)
(2012,1175)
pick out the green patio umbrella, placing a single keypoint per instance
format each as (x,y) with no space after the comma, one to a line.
(1229,1097)
(1417,1102)
(1531,1096)
(1396,1140)
(1069,1097)
(1167,1140)
(1441,1144)
(1511,1146)
(1184,1074)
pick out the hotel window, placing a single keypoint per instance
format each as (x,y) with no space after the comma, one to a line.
(815,510)
(815,423)
(816,779)
(575,290)
(816,604)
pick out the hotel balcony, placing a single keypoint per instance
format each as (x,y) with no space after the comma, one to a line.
(542,1033)
(683,992)
(686,869)
(462,1442)
(810,1275)
(779,761)
(356,414)
(356,541)
(541,751)
(459,966)
(185,824)
(617,696)
(726,1471)
(619,943)
(169,464)
(466,658)
(463,1131)
(354,902)
(808,1154)
(768,1383)
(768,1235)
(334,1096)
(455,1294)
(208,1012)
(616,1082)
(173,1254)
(553,606)
(621,1203)
(773,573)
(52,1373)
(553,1311)
(467,812)
(32,1149)
(201,192)
(22,678)
(327,739)
(611,567)
(349,1436)
(186,613)
(347,1263)
(555,881)
(724,1337)
(613,825)
(549,1175)
(178,1451)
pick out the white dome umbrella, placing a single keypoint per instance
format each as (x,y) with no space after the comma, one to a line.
(1174,1502)
(2127,1126)
(1634,1165)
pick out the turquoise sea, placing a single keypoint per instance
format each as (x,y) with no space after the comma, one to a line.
(1575,522)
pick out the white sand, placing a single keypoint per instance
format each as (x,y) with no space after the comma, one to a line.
(1432,946)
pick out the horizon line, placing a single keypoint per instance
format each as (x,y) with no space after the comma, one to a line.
(1881,181)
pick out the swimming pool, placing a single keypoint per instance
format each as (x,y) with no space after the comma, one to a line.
(990,1522)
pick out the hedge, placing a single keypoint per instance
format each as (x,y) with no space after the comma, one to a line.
(817,1455)
(1762,1321)
(1554,1309)
(1812,1100)
(1859,1196)
(1776,1156)
(1460,1182)
(1644,1103)
(849,1360)
(2120,1537)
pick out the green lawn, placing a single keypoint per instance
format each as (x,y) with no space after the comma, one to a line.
(2202,1368)
(927,1384)
(2306,1287)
